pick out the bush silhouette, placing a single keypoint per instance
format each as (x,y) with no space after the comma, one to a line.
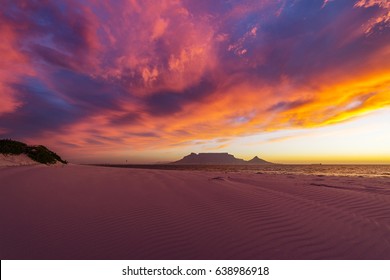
(8,146)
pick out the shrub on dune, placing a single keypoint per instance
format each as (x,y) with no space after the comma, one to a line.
(11,147)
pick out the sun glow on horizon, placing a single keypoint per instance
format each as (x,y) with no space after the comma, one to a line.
(333,144)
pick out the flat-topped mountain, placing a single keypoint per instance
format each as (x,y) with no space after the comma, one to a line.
(218,159)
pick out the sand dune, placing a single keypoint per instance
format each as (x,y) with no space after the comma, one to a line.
(82,212)
(16,160)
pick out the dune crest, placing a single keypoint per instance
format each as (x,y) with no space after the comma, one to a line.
(16,160)
(15,153)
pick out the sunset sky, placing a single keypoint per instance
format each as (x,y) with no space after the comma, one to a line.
(291,81)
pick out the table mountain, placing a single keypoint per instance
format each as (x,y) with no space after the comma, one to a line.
(217,159)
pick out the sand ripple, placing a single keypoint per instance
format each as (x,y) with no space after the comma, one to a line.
(80,212)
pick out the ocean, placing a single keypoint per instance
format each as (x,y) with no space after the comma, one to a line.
(314,169)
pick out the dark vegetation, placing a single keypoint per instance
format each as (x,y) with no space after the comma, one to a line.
(39,153)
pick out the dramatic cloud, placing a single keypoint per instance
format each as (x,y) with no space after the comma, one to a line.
(141,75)
(382,20)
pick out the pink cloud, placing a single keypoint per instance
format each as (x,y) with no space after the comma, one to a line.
(13,63)
(162,43)
(382,19)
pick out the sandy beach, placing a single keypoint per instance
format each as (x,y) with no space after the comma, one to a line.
(87,212)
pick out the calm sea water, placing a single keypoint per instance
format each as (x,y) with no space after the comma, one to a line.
(324,169)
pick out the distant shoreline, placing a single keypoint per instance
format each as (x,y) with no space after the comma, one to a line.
(350,170)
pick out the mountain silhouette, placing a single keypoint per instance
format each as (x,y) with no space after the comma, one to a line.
(257,160)
(218,159)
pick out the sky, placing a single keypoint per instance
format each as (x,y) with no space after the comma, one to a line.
(291,81)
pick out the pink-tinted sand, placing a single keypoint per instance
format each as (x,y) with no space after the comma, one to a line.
(85,212)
